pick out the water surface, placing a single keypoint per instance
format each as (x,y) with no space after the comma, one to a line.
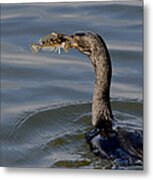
(46,99)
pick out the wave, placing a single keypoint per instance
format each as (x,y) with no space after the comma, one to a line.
(54,136)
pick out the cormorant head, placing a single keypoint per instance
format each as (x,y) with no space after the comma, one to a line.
(85,42)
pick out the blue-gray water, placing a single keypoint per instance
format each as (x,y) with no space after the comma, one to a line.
(46,98)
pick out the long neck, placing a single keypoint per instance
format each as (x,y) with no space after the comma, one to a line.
(101,108)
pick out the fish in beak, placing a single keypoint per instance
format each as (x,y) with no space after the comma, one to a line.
(53,43)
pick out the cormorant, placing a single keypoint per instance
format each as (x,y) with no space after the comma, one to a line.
(123,146)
